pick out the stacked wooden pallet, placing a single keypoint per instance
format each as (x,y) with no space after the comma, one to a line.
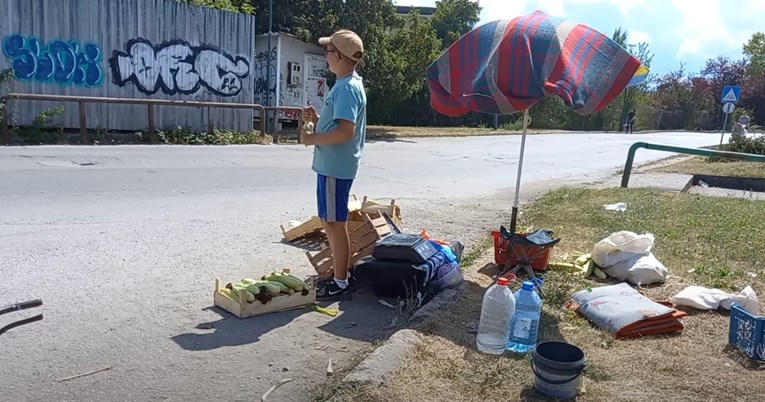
(365,229)
(366,225)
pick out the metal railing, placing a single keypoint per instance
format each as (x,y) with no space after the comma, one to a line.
(277,109)
(150,109)
(682,150)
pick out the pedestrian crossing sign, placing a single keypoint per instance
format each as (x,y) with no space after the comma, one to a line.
(731,94)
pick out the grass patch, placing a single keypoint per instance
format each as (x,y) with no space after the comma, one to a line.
(721,241)
(392,133)
(701,165)
(476,252)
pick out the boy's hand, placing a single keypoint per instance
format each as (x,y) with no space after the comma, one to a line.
(310,114)
(306,138)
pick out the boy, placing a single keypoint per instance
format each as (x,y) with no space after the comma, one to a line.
(338,144)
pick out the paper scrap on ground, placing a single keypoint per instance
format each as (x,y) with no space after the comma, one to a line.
(619,206)
(702,298)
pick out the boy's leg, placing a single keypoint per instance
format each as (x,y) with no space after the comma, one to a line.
(332,198)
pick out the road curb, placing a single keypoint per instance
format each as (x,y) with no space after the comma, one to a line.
(378,367)
(384,361)
(441,301)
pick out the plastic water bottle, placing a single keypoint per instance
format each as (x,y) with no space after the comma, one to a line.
(525,324)
(496,314)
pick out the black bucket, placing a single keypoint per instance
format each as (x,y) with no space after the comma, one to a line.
(558,369)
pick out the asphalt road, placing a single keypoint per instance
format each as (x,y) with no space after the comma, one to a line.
(122,243)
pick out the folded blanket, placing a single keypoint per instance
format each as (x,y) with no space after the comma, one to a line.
(625,312)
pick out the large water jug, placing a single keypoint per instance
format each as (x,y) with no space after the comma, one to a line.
(496,314)
(524,328)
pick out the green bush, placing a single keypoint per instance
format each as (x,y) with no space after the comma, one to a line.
(185,136)
(748,145)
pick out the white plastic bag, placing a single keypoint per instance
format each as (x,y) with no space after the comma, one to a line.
(627,256)
(702,298)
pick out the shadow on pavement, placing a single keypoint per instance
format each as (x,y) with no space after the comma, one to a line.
(308,243)
(362,319)
(388,138)
(230,330)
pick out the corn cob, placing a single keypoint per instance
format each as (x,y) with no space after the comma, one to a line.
(564,266)
(288,280)
(589,267)
(599,273)
(227,292)
(237,288)
(582,259)
(271,287)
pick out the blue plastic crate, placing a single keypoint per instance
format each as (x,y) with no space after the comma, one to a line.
(747,332)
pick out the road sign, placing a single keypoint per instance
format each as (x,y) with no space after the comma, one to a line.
(731,94)
(728,108)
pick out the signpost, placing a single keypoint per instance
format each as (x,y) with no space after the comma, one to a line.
(730,96)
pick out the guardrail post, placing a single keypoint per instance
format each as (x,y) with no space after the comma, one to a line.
(680,150)
(152,128)
(6,135)
(630,160)
(83,123)
(210,125)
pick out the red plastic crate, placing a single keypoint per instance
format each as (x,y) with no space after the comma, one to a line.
(539,257)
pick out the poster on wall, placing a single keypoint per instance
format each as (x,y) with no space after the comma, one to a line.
(315,83)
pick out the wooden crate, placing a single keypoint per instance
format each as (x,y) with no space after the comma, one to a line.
(304,229)
(392,209)
(364,229)
(314,224)
(242,309)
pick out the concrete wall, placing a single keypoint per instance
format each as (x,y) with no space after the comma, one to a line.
(309,88)
(154,49)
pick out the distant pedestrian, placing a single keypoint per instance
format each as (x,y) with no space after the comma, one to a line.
(744,120)
(630,121)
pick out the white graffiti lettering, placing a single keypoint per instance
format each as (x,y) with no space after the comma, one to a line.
(177,67)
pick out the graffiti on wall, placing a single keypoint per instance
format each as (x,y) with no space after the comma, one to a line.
(178,67)
(65,63)
(315,85)
(291,96)
(265,76)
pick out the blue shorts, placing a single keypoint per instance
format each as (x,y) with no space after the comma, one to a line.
(332,197)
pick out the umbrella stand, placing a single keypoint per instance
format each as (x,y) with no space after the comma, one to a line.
(514,217)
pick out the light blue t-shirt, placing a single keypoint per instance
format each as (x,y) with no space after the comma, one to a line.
(346,100)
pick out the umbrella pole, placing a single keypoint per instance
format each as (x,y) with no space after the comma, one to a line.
(514,218)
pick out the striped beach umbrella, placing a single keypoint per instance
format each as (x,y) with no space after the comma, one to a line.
(507,66)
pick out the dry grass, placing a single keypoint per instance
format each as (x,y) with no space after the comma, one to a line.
(392,132)
(723,239)
(699,165)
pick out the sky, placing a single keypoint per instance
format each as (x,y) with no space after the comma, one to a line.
(687,31)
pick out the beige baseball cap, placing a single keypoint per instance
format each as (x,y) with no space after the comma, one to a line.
(347,43)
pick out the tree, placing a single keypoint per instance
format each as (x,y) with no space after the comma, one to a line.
(398,71)
(454,18)
(237,6)
(719,72)
(754,51)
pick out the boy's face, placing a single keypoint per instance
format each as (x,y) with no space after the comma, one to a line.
(333,57)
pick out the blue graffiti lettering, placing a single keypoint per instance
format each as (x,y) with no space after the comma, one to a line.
(60,62)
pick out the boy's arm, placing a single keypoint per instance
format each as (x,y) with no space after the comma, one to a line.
(346,109)
(343,133)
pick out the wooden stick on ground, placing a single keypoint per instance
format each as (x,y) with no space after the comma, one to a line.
(85,374)
(270,390)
